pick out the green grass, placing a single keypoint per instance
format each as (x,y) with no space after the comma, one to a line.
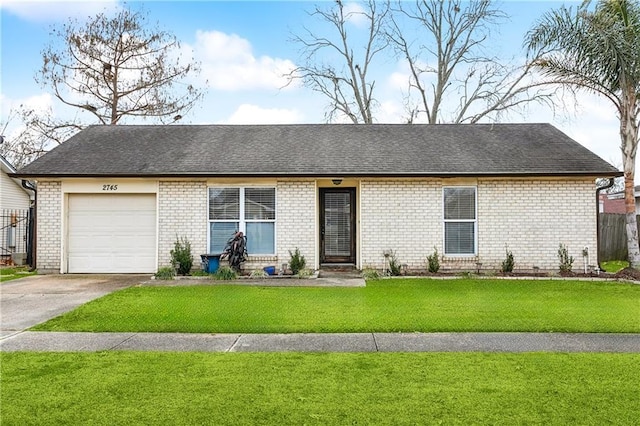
(118,388)
(383,306)
(7,274)
(614,266)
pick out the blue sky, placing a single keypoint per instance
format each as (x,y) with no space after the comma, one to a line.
(244,47)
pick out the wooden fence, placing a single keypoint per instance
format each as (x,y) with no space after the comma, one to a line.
(613,238)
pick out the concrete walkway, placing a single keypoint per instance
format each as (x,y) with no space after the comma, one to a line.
(35,299)
(347,342)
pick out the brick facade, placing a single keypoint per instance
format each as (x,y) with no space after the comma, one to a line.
(530,216)
(399,215)
(182,212)
(533,217)
(49,227)
(296,220)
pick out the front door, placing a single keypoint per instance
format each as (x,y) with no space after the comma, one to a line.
(337,225)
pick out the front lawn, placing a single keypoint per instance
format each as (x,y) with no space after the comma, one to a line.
(118,388)
(393,305)
(12,273)
(613,266)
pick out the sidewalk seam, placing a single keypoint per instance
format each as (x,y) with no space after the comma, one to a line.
(375,342)
(235,342)
(123,342)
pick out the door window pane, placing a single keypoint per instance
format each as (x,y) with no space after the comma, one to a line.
(337,224)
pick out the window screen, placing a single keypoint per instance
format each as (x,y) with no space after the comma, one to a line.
(460,220)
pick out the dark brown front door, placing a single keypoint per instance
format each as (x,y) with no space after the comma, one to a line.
(337,225)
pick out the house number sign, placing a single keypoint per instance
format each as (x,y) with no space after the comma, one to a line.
(109,187)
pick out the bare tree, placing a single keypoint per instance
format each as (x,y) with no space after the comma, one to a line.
(27,134)
(447,60)
(115,67)
(345,80)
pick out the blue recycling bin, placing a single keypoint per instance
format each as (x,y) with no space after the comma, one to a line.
(210,263)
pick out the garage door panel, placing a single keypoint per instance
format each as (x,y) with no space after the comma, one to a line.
(111,233)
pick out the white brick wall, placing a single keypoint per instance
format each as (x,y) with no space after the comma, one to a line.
(182,212)
(48,234)
(533,217)
(402,216)
(296,220)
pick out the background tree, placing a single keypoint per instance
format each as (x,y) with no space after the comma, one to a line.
(112,68)
(598,49)
(345,81)
(25,135)
(447,60)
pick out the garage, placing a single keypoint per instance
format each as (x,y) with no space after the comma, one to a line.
(111,233)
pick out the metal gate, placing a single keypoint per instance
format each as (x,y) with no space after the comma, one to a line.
(16,236)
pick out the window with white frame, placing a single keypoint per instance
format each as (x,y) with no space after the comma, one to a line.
(460,220)
(249,210)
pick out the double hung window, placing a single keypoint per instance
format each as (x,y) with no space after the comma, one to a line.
(249,210)
(460,221)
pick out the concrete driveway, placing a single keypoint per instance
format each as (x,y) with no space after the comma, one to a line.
(31,300)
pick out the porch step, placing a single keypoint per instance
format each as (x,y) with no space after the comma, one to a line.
(339,270)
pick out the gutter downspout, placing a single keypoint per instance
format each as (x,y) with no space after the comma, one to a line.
(32,234)
(607,186)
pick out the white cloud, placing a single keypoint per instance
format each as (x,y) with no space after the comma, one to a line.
(53,11)
(253,114)
(228,63)
(42,103)
(355,14)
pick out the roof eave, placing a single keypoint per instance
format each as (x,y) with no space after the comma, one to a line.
(312,175)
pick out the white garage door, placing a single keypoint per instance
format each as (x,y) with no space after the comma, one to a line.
(111,233)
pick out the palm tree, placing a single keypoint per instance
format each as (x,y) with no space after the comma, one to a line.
(596,47)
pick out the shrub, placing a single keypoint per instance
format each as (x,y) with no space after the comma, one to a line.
(566,261)
(297,262)
(225,273)
(395,267)
(508,263)
(181,257)
(165,273)
(370,274)
(258,273)
(304,273)
(433,261)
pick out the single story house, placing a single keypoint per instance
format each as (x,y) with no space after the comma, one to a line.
(114,199)
(15,202)
(14,196)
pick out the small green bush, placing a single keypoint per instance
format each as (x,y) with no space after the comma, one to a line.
(566,261)
(395,267)
(258,273)
(304,273)
(370,274)
(508,263)
(225,273)
(297,262)
(433,261)
(165,273)
(181,257)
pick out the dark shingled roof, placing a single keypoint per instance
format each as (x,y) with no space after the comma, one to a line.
(320,150)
